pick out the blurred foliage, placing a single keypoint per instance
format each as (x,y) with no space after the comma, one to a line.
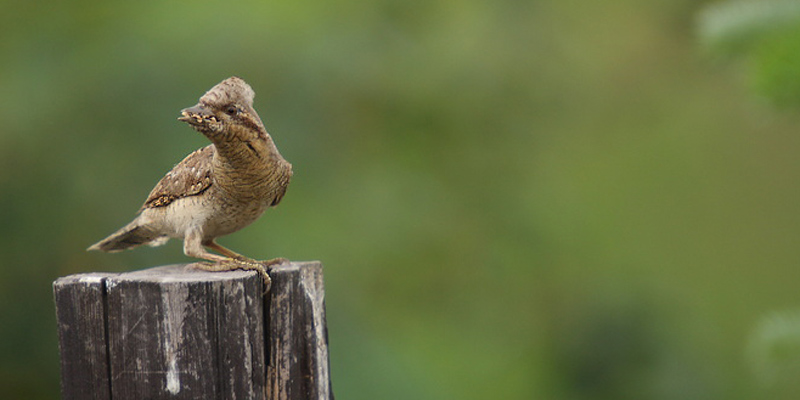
(767,33)
(774,351)
(512,200)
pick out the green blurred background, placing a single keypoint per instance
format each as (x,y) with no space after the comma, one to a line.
(512,199)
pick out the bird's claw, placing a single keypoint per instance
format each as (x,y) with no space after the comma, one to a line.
(235,264)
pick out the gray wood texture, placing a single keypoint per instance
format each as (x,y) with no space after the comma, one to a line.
(81,314)
(176,333)
(298,337)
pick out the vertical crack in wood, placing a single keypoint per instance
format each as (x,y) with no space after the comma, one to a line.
(316,336)
(104,301)
(268,369)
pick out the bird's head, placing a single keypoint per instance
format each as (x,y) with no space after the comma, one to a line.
(225,113)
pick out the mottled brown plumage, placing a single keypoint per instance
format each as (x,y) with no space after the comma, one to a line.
(190,177)
(216,190)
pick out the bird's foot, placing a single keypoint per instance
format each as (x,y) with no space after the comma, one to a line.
(233,265)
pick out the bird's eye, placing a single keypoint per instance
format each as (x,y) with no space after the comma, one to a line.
(232,110)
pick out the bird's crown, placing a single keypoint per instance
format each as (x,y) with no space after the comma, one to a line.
(231,90)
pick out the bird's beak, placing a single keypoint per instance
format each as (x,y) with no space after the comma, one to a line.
(194,114)
(201,118)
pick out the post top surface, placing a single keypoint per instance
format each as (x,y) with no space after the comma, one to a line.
(174,273)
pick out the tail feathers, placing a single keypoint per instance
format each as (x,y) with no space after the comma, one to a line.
(128,237)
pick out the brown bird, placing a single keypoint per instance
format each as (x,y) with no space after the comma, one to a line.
(216,190)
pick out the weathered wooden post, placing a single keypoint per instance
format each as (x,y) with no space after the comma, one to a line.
(176,333)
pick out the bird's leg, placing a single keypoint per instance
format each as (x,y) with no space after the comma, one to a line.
(193,247)
(212,244)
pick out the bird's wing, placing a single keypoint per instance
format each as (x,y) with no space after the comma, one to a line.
(190,177)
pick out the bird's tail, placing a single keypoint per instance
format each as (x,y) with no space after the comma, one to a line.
(128,237)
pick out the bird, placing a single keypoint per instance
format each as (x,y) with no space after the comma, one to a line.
(216,190)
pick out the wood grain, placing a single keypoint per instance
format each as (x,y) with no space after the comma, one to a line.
(177,333)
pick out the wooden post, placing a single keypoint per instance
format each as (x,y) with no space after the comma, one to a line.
(176,333)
